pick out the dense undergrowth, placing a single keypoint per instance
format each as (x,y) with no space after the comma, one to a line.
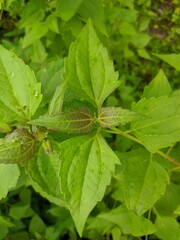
(142,199)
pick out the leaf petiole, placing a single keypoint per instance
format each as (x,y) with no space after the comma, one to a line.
(120,132)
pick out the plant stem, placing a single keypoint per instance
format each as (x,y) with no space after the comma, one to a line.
(168,158)
(120,132)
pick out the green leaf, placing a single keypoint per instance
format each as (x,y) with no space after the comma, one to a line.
(17,147)
(9,175)
(50,78)
(5,222)
(64,222)
(113,116)
(86,168)
(139,172)
(37,225)
(20,210)
(128,221)
(43,170)
(171,59)
(52,22)
(160,125)
(35,33)
(72,121)
(8,3)
(167,228)
(55,105)
(4,127)
(144,54)
(67,9)
(33,13)
(140,40)
(20,95)
(88,70)
(177,211)
(167,204)
(39,53)
(158,87)
(93,10)
(3,229)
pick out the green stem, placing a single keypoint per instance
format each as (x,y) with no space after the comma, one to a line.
(120,132)
(170,159)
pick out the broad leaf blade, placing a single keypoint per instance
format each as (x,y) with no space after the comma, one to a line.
(43,170)
(171,59)
(139,172)
(67,9)
(128,221)
(55,105)
(17,147)
(167,204)
(20,95)
(167,228)
(74,121)
(158,87)
(89,71)
(9,175)
(86,168)
(94,10)
(160,126)
(34,12)
(38,30)
(113,116)
(50,78)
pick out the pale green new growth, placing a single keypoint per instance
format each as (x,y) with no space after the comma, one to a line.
(113,116)
(74,121)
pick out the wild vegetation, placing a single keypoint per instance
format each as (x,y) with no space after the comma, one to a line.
(89,119)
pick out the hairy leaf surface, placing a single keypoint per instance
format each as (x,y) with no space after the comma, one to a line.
(74,121)
(86,168)
(20,95)
(17,147)
(160,126)
(113,116)
(88,69)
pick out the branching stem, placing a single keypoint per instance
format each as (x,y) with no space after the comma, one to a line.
(120,132)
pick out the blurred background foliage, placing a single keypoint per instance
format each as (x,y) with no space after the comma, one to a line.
(40,32)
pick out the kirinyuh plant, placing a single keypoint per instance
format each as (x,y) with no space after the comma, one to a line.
(64,151)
